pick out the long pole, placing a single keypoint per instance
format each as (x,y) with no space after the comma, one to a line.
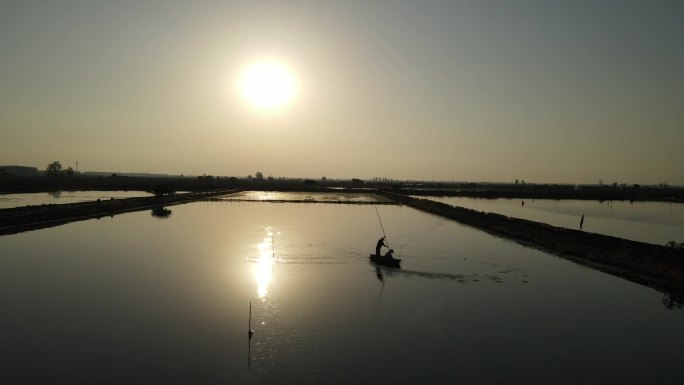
(382,227)
(249,330)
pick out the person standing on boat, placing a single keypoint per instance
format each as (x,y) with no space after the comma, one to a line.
(379,245)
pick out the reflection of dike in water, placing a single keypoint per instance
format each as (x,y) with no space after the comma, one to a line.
(382,272)
(161,213)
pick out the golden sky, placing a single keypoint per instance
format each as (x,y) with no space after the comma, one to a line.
(480,91)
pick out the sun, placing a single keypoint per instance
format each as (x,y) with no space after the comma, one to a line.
(268,85)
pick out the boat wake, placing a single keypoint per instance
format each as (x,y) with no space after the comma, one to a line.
(461,278)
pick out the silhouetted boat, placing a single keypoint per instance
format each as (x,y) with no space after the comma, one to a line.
(385,260)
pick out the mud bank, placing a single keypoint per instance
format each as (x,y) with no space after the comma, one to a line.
(656,266)
(20,219)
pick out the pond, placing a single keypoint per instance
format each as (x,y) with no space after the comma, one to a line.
(325,197)
(60,197)
(652,222)
(139,299)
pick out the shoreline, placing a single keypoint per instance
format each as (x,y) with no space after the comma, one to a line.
(659,267)
(26,218)
(628,196)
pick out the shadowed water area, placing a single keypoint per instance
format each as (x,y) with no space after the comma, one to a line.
(141,299)
(652,222)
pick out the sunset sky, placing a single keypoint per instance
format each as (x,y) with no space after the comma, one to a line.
(544,91)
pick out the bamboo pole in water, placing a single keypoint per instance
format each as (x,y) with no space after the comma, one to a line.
(250,331)
(383,228)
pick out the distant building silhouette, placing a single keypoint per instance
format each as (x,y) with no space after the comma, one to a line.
(20,170)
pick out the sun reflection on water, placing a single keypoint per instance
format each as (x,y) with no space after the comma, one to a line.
(263,271)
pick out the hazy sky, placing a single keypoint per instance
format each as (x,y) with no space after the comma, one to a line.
(545,91)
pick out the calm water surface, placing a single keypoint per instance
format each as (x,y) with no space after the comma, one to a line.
(138,300)
(60,197)
(652,222)
(330,197)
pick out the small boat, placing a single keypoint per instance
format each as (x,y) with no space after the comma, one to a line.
(385,260)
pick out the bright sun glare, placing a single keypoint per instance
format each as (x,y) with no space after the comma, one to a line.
(268,85)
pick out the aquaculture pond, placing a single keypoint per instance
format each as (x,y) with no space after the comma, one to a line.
(325,197)
(136,299)
(652,222)
(60,197)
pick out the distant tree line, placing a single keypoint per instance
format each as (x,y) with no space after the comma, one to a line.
(55,177)
(54,170)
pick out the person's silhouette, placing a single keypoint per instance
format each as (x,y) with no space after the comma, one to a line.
(379,245)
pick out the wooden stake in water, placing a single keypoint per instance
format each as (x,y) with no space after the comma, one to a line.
(250,331)
(249,339)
